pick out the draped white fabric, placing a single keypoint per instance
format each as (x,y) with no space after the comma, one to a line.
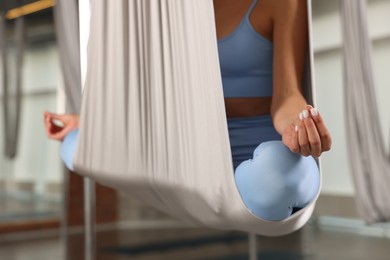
(153,118)
(12,80)
(66,20)
(369,161)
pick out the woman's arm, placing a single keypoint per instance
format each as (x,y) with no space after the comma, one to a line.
(308,136)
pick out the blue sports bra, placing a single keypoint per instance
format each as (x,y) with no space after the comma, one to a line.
(246,61)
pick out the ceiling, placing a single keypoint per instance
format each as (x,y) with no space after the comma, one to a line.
(6,5)
(39,25)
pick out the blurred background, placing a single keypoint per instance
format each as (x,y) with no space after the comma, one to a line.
(37,194)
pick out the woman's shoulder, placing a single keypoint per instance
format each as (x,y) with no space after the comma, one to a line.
(282,8)
(269,14)
(284,4)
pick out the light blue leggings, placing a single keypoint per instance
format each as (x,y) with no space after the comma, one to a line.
(276,181)
(271,184)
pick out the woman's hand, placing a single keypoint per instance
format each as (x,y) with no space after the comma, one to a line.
(58,126)
(309,136)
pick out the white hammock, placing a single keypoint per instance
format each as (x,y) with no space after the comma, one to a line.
(153,121)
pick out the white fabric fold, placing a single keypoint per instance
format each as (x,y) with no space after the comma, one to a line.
(153,121)
(367,153)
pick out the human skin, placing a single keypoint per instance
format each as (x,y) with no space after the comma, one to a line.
(284,23)
(69,122)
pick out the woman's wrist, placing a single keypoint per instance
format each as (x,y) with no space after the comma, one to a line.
(287,113)
(75,121)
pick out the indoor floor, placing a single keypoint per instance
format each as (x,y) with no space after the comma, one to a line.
(192,243)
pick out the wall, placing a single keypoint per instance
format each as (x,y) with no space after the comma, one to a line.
(38,161)
(330,93)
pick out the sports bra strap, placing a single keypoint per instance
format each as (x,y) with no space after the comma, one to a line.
(251,8)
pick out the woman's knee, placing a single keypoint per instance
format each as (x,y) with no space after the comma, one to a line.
(68,148)
(269,196)
(276,180)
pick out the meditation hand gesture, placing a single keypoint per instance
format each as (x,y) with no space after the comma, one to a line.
(58,126)
(309,136)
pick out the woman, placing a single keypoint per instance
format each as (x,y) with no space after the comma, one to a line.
(262,46)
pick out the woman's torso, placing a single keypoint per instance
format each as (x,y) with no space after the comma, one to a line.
(244,32)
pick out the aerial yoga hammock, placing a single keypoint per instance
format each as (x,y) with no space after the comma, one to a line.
(153,124)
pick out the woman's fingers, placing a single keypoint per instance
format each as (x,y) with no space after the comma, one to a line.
(53,115)
(290,138)
(303,139)
(60,135)
(47,124)
(324,135)
(309,136)
(60,120)
(294,140)
(58,126)
(312,135)
(54,130)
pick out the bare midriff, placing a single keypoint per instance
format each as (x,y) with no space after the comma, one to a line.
(247,106)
